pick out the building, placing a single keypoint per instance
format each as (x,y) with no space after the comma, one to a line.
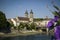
(29,19)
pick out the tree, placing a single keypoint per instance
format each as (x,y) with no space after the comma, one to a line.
(21,26)
(4,25)
(33,26)
(27,25)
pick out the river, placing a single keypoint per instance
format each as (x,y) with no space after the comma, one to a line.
(28,37)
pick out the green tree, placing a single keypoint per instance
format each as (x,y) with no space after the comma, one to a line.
(2,19)
(27,25)
(33,26)
(21,26)
(4,25)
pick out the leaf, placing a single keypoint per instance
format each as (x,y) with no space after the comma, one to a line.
(56,13)
(56,7)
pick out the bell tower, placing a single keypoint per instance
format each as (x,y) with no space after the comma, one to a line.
(31,16)
(26,14)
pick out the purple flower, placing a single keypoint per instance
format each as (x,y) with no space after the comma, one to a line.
(56,18)
(57,32)
(50,23)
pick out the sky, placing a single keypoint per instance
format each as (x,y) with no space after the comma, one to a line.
(15,8)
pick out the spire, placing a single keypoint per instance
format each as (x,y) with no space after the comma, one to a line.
(31,14)
(31,11)
(26,14)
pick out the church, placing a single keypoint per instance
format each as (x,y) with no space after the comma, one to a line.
(29,19)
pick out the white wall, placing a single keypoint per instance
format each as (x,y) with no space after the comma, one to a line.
(42,23)
(14,22)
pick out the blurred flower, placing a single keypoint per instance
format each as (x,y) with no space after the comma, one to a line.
(57,32)
(50,23)
(55,23)
(56,18)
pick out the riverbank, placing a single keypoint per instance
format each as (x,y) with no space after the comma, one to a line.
(27,37)
(20,33)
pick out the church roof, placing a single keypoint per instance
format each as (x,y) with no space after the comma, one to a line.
(23,18)
(19,18)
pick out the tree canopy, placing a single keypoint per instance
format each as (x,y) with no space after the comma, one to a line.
(4,24)
(2,19)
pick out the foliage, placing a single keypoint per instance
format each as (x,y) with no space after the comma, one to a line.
(56,18)
(56,7)
(4,25)
(11,24)
(39,19)
(2,20)
(33,26)
(56,13)
(27,25)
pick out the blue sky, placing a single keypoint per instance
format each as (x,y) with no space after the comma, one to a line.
(14,8)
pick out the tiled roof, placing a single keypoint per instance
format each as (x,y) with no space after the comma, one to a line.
(23,18)
(20,19)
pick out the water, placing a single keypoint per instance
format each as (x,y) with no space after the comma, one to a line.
(30,37)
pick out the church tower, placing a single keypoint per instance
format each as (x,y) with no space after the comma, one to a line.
(26,14)
(31,16)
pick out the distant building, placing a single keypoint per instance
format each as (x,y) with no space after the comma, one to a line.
(29,19)
(26,14)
